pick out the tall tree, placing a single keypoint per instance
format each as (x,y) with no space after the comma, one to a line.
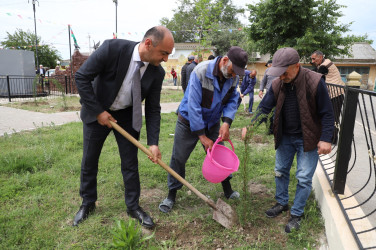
(25,40)
(306,25)
(210,22)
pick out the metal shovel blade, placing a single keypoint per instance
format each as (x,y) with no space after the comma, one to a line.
(224,214)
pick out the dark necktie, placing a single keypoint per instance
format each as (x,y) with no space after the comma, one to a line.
(136,96)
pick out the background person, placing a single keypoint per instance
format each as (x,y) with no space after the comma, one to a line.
(174,76)
(111,68)
(211,94)
(41,72)
(265,83)
(211,57)
(303,126)
(326,67)
(183,73)
(247,87)
(190,68)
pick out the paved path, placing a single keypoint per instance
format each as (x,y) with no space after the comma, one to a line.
(15,120)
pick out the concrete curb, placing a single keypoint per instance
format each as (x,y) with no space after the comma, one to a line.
(337,230)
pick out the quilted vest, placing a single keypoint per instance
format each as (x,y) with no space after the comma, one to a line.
(333,77)
(306,84)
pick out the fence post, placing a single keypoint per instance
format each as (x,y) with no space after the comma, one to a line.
(66,85)
(8,86)
(346,133)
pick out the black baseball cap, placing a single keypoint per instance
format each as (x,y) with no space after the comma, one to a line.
(268,62)
(239,59)
(282,59)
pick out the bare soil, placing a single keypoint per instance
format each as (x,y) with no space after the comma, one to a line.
(193,234)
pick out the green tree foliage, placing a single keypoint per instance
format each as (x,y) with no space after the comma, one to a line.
(210,22)
(23,40)
(306,25)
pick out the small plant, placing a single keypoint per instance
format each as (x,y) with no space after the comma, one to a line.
(129,236)
(60,87)
(247,137)
(35,83)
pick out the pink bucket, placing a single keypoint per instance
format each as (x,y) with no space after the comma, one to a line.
(219,162)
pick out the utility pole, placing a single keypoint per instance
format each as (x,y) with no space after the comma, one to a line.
(88,35)
(116,4)
(70,52)
(36,37)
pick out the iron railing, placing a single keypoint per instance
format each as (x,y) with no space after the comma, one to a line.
(16,88)
(351,166)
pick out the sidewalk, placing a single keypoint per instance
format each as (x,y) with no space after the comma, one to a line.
(15,120)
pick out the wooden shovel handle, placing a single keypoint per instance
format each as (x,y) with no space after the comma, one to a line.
(163,165)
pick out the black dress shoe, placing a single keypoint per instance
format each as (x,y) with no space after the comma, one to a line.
(142,217)
(83,213)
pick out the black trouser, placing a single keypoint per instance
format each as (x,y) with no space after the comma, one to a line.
(94,138)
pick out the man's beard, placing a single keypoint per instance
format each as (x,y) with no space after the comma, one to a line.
(224,70)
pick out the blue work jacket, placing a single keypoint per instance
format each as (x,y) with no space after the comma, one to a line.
(204,102)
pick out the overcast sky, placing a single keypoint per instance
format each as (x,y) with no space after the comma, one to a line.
(96,19)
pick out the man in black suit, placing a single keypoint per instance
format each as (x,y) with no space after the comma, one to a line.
(41,72)
(105,84)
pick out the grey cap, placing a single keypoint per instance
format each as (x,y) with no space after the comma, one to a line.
(191,58)
(282,59)
(239,59)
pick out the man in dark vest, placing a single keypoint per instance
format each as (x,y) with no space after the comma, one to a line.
(303,125)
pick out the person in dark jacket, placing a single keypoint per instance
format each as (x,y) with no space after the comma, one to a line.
(109,81)
(190,68)
(183,73)
(247,87)
(303,125)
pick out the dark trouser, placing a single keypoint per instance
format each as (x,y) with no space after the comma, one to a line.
(251,98)
(184,144)
(337,106)
(94,138)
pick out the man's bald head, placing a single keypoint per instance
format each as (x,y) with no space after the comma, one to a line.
(253,74)
(157,34)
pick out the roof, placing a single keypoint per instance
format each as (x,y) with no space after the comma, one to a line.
(190,46)
(362,52)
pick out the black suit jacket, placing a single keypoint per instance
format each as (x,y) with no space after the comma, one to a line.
(99,80)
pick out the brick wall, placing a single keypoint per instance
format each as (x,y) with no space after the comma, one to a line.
(77,60)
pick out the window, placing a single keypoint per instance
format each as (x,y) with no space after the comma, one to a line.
(344,71)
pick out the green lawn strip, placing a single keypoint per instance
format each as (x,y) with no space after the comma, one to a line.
(53,104)
(39,194)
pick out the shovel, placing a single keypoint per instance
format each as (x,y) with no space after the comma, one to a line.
(223,213)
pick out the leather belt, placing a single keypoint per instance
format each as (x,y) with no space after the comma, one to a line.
(182,119)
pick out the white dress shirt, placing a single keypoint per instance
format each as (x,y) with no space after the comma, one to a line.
(124,97)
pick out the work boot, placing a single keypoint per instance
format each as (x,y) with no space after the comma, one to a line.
(276,210)
(293,224)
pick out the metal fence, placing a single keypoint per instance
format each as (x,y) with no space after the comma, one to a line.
(16,88)
(351,166)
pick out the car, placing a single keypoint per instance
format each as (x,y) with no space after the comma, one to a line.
(50,72)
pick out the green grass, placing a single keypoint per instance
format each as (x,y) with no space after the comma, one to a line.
(40,177)
(56,104)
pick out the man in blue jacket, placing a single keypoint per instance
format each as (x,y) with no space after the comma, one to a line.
(247,87)
(210,95)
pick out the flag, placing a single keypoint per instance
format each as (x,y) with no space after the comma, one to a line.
(74,39)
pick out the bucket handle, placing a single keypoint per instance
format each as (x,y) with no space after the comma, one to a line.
(218,140)
(215,144)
